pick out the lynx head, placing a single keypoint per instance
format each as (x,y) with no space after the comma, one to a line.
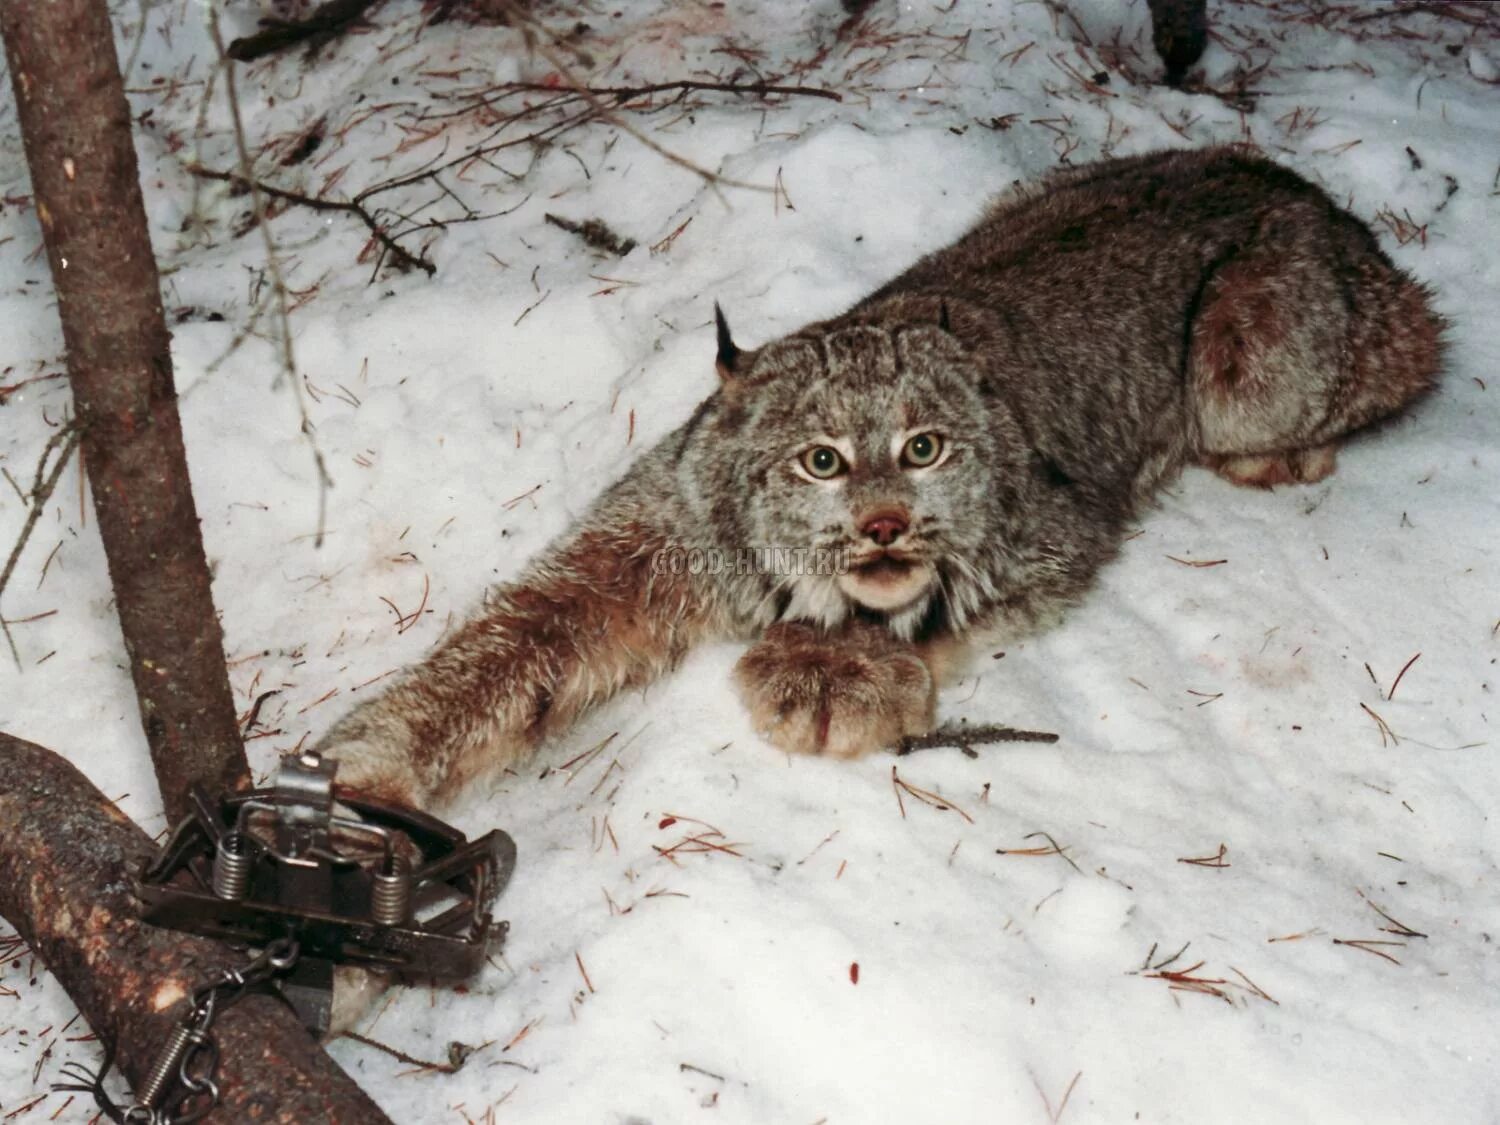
(867,442)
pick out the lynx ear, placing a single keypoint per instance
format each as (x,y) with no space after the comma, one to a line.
(943,322)
(729,355)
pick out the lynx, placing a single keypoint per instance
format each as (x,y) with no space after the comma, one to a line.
(967,445)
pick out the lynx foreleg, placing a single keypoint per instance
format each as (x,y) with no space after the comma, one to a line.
(590,618)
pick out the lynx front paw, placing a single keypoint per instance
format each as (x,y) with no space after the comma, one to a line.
(376,767)
(842,695)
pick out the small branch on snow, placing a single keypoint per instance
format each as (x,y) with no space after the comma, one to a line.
(458,1053)
(322,23)
(681,87)
(536,33)
(403,258)
(595,233)
(962,737)
(41,491)
(278,281)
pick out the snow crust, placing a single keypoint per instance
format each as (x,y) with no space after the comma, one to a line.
(1149,920)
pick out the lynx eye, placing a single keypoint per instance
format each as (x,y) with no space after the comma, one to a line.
(823,462)
(922,450)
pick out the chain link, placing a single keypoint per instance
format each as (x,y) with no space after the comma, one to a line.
(189,1060)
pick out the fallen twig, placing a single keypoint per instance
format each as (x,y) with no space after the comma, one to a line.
(458,1053)
(278,281)
(1218,859)
(595,233)
(404,259)
(1478,17)
(536,32)
(926,796)
(41,490)
(621,94)
(322,23)
(962,737)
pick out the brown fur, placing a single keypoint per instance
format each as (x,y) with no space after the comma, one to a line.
(1088,338)
(809,693)
(591,622)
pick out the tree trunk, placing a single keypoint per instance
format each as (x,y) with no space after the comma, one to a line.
(76,126)
(66,858)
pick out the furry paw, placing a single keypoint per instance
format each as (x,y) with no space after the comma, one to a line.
(356,991)
(373,763)
(842,694)
(1266,470)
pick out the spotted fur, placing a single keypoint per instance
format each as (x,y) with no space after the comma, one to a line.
(1089,338)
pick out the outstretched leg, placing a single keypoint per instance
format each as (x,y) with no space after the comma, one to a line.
(592,617)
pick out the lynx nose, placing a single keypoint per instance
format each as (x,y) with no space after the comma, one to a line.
(884,527)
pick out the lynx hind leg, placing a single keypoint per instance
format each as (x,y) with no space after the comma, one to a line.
(1303,338)
(842,695)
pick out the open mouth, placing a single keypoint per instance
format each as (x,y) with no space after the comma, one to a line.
(886,581)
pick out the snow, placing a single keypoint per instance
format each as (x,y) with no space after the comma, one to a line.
(1227,714)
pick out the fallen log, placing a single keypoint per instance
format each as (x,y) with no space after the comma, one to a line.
(67,855)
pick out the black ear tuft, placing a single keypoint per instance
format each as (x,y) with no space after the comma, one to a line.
(943,322)
(729,355)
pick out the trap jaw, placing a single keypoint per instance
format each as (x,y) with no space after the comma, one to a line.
(388,889)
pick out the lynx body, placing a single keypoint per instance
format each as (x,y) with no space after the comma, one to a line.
(967,444)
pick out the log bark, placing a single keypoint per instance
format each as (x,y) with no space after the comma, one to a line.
(66,857)
(75,123)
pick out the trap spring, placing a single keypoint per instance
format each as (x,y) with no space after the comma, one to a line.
(353,881)
(181,1086)
(190,1056)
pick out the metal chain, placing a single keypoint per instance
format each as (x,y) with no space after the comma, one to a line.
(189,1059)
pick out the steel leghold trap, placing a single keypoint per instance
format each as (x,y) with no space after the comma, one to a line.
(353,881)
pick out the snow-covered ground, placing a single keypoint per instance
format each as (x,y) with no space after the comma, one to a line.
(1256,880)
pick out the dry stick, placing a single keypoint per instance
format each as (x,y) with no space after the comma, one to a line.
(41,492)
(680,86)
(595,233)
(278,282)
(1479,18)
(962,736)
(322,22)
(713,179)
(434,167)
(438,164)
(458,1053)
(404,258)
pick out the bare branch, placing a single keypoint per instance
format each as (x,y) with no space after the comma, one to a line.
(278,282)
